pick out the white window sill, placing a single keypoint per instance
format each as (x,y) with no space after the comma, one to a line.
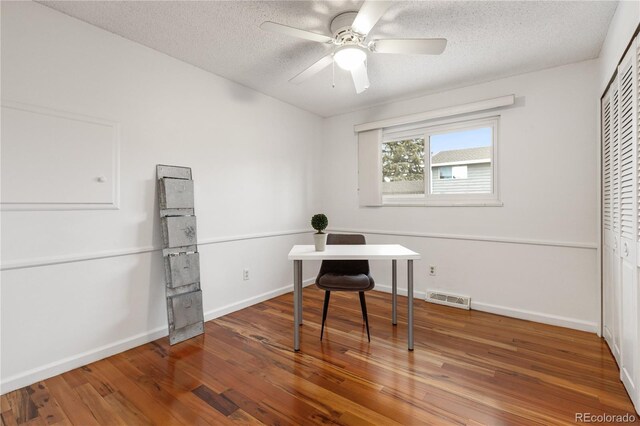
(443,203)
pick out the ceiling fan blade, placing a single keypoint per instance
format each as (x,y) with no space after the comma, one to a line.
(294,32)
(369,14)
(360,78)
(414,46)
(313,69)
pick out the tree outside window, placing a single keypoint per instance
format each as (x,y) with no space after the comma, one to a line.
(403,166)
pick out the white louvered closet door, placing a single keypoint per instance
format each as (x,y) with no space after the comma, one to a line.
(628,140)
(627,137)
(609,302)
(614,290)
(620,109)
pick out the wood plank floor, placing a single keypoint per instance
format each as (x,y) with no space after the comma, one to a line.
(468,367)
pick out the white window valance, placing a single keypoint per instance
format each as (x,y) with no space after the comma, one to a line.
(478,106)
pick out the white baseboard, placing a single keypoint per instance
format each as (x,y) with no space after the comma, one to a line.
(550,319)
(572,323)
(61,366)
(216,313)
(417,294)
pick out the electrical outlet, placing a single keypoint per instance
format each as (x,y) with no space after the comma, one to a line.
(245,274)
(432,270)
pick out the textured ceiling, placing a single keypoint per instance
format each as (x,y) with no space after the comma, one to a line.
(487,40)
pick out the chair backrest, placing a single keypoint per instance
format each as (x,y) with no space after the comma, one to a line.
(345,267)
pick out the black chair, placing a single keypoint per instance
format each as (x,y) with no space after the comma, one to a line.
(345,275)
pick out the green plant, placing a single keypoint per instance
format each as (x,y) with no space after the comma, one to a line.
(319,222)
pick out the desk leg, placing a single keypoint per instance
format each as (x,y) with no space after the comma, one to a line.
(297,293)
(410,303)
(394,292)
(300,293)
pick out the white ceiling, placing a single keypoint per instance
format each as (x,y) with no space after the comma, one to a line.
(487,40)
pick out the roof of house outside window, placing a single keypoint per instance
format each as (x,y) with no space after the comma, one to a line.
(471,155)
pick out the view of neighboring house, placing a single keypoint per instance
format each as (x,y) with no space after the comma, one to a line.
(461,171)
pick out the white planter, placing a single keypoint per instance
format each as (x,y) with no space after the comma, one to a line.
(320,240)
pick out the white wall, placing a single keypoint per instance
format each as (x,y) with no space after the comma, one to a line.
(536,256)
(80,285)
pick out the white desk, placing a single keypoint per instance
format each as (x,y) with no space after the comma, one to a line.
(391,252)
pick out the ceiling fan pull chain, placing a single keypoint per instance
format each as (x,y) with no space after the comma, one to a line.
(333,74)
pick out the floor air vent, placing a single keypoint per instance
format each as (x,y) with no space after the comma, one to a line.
(462,302)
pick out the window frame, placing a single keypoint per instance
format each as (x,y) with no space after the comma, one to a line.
(425,132)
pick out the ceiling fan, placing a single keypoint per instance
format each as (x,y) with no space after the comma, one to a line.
(350,30)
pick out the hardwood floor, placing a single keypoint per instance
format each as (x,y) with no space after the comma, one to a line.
(468,367)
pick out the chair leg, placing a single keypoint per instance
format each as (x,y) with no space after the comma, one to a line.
(363,305)
(327,295)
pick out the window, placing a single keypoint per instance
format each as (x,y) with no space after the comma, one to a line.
(452,164)
(451,172)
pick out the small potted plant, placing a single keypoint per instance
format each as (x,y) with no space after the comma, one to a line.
(319,222)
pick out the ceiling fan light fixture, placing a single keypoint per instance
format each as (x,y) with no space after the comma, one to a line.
(349,57)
